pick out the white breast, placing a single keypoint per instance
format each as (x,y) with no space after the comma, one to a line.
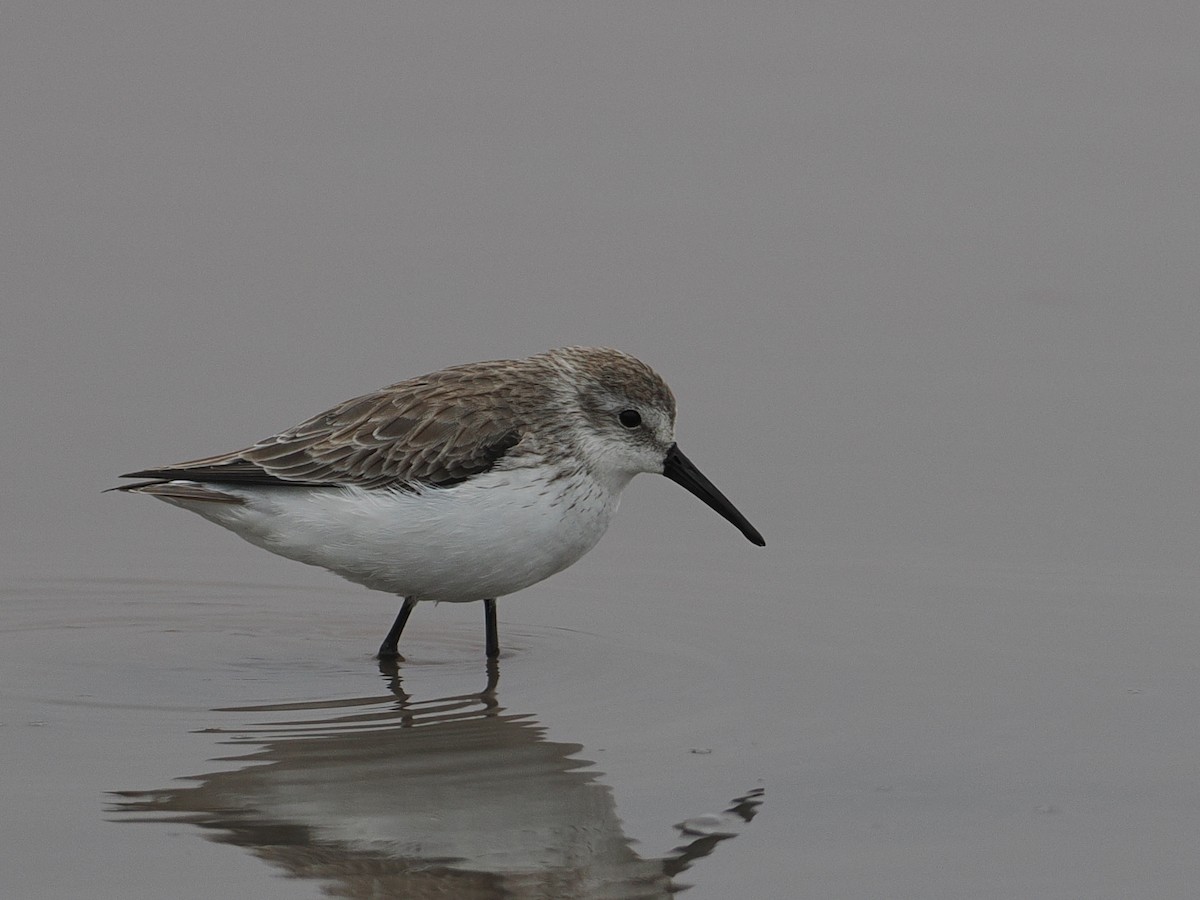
(492,535)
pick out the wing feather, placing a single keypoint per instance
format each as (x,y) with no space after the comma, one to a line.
(436,430)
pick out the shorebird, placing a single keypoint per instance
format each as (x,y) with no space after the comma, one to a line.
(466,484)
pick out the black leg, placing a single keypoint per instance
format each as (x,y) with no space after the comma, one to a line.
(489,621)
(387,650)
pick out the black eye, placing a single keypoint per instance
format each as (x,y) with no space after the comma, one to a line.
(630,418)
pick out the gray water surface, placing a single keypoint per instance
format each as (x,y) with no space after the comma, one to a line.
(924,279)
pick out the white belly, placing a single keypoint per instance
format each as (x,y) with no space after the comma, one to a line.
(490,536)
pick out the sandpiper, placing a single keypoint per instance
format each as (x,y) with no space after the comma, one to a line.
(466,484)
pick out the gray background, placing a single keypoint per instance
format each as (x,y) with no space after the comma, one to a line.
(923,276)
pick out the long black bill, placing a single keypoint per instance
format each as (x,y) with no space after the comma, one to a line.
(680,470)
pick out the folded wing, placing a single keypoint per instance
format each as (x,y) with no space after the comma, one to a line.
(438,430)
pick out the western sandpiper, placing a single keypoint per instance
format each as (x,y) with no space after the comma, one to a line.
(467,484)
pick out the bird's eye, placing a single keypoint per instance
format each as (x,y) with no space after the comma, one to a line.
(630,418)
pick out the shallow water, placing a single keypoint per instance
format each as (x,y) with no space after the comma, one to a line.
(923,278)
(414,778)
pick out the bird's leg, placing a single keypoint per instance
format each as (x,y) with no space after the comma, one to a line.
(387,650)
(489,621)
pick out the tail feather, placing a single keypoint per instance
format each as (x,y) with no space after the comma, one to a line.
(181,490)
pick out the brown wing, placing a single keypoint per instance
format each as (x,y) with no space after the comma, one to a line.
(436,430)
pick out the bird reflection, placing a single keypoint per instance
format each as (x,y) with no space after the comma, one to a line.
(391,796)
